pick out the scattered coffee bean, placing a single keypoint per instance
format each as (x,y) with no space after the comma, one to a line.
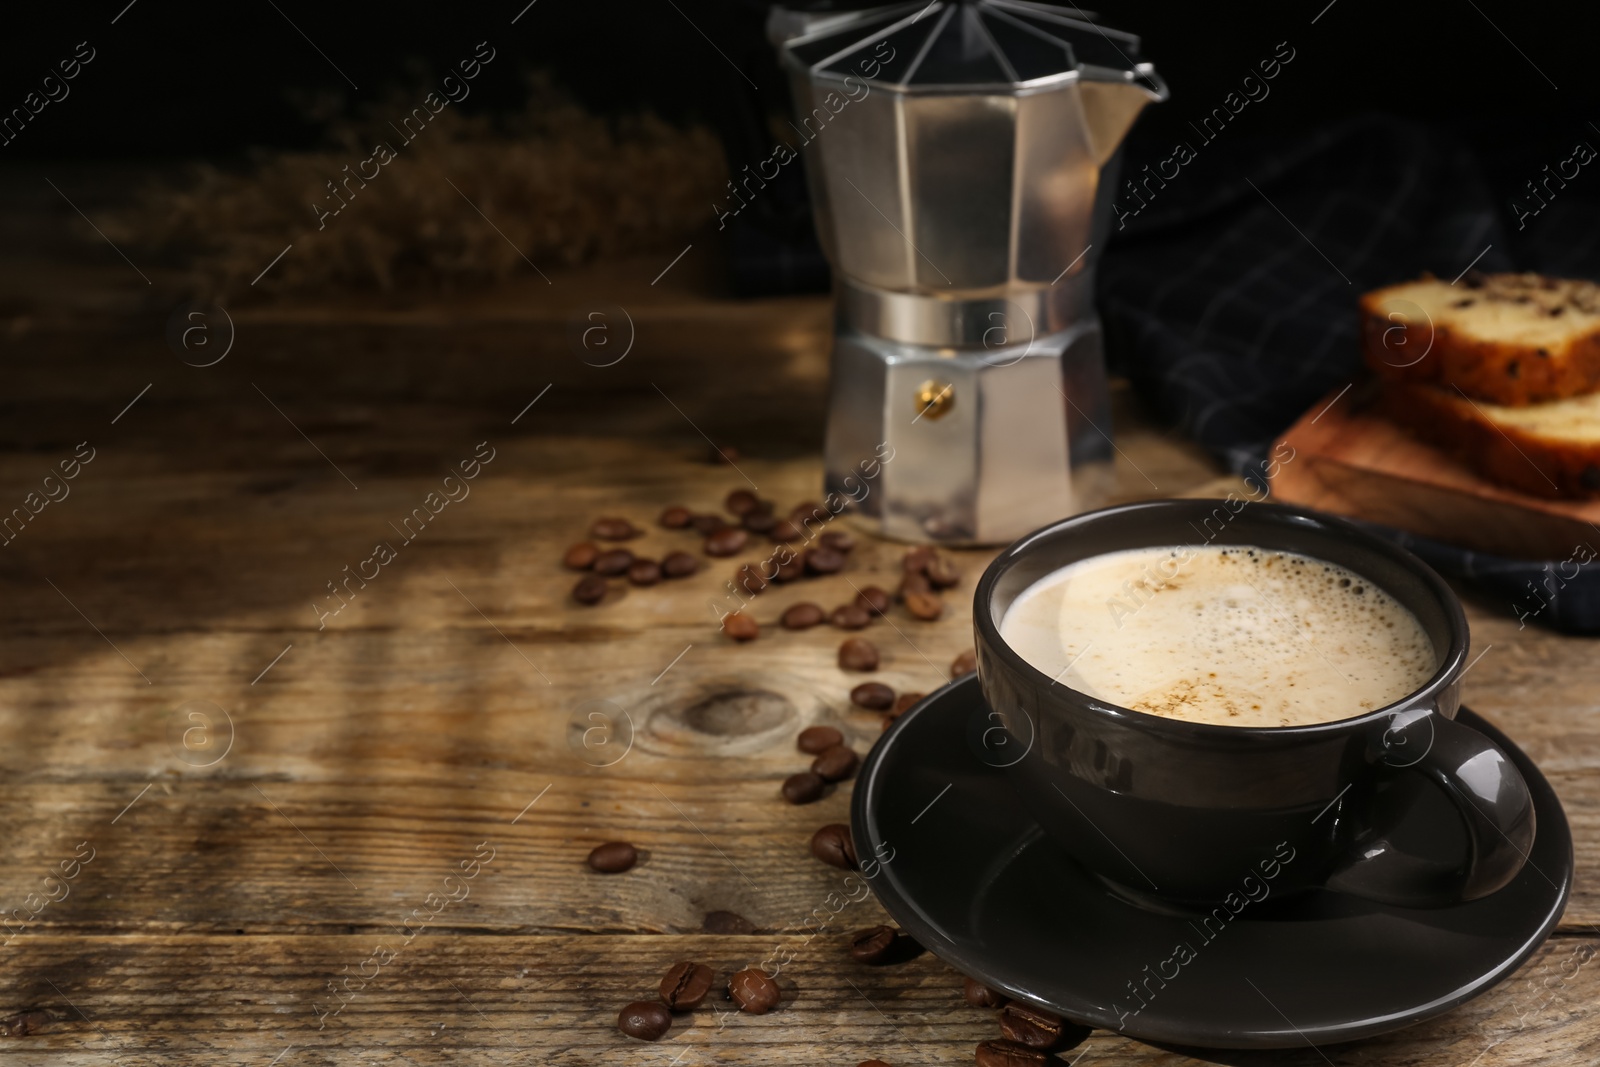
(581,556)
(789,570)
(644,572)
(784,531)
(942,572)
(759,522)
(872,945)
(872,1063)
(679,565)
(850,617)
(981,996)
(1010,1054)
(858,654)
(647,1020)
(924,606)
(823,561)
(613,857)
(874,696)
(873,599)
(726,454)
(727,922)
(741,502)
(753,991)
(613,562)
(915,582)
(675,518)
(810,510)
(707,524)
(833,846)
(612,529)
(805,787)
(801,616)
(1030,1026)
(748,578)
(965,663)
(835,764)
(915,561)
(591,589)
(727,541)
(814,740)
(904,703)
(686,985)
(740,626)
(839,541)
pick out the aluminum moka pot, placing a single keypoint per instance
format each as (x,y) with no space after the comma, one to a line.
(961,157)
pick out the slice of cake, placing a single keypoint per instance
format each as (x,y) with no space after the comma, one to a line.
(1511,339)
(1550,449)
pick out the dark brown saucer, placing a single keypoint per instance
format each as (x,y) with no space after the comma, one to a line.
(974,879)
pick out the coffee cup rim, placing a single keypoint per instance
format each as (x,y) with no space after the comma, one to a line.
(1449,669)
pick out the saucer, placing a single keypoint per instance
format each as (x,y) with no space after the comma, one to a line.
(973,878)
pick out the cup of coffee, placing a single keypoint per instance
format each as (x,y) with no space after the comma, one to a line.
(1197,698)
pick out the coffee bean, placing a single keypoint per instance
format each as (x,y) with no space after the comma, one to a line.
(789,570)
(850,617)
(941,571)
(727,922)
(613,562)
(644,572)
(740,626)
(858,654)
(727,541)
(707,524)
(872,1063)
(809,511)
(748,578)
(915,582)
(873,599)
(1009,1054)
(759,522)
(839,541)
(581,556)
(679,565)
(753,991)
(741,501)
(818,739)
(613,857)
(874,696)
(905,702)
(686,985)
(924,606)
(965,663)
(591,589)
(647,1020)
(675,518)
(805,787)
(835,764)
(823,561)
(981,996)
(727,455)
(915,561)
(613,529)
(872,945)
(1036,1027)
(832,845)
(801,616)
(784,532)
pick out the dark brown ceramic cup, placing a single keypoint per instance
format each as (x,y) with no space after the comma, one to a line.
(1186,813)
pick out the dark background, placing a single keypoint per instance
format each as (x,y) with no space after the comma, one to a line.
(183,80)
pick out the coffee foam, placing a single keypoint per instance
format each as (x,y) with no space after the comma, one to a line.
(1236,636)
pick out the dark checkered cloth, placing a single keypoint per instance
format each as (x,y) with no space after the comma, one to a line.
(1229,298)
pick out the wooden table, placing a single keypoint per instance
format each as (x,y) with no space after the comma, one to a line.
(433,719)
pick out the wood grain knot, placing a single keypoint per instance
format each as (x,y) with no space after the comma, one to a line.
(726,719)
(24,1023)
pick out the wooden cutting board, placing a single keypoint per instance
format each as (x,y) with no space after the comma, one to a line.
(1349,460)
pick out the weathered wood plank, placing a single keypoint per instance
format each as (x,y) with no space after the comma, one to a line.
(203,1000)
